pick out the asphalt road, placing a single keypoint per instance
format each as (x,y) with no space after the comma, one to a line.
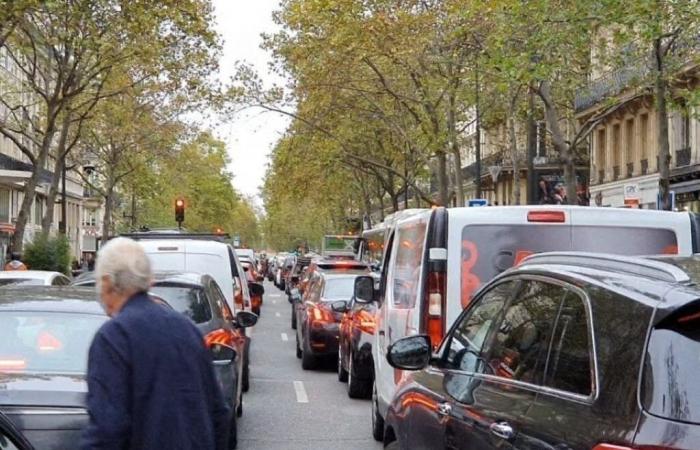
(290,408)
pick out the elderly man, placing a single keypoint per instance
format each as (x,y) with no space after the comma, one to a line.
(151,383)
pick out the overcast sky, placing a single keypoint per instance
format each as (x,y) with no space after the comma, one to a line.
(250,135)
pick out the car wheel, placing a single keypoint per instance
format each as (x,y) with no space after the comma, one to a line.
(239,408)
(356,388)
(377,419)
(308,361)
(245,382)
(298,348)
(233,433)
(294,319)
(342,373)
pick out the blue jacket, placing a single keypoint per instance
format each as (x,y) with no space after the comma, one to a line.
(151,384)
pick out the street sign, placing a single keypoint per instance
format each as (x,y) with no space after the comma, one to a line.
(478,202)
(494,171)
(632,191)
(236,241)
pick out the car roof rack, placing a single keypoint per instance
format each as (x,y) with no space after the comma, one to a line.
(638,266)
(151,235)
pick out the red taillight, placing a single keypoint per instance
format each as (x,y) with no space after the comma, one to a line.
(435,300)
(48,342)
(520,255)
(365,322)
(12,365)
(546,216)
(219,337)
(636,447)
(610,447)
(320,314)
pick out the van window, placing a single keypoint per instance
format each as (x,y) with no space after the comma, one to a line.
(410,242)
(488,250)
(670,387)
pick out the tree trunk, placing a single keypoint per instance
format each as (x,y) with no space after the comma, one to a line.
(664,156)
(47,220)
(454,148)
(107,218)
(514,155)
(442,178)
(380,197)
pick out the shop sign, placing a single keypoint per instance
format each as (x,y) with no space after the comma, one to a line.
(632,192)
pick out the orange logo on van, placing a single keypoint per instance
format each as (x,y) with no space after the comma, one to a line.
(470,282)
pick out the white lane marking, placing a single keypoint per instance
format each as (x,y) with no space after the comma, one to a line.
(285,338)
(274,302)
(301,392)
(278,314)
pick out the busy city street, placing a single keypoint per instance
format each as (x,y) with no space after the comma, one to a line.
(294,409)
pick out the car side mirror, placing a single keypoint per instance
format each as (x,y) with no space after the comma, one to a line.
(410,353)
(364,289)
(340,306)
(245,319)
(222,354)
(256,289)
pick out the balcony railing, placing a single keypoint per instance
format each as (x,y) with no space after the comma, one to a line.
(645,166)
(616,173)
(608,85)
(630,170)
(683,157)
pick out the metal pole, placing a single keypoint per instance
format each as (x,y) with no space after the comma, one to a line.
(477,146)
(62,226)
(532,185)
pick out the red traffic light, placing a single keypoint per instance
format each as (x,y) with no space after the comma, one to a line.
(180,211)
(179,203)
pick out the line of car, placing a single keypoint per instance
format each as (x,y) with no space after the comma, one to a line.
(516,328)
(45,333)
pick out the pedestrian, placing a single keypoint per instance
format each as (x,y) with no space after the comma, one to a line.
(15,262)
(151,382)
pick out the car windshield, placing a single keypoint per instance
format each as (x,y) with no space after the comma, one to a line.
(21,282)
(341,288)
(46,342)
(188,300)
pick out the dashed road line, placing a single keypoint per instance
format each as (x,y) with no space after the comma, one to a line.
(278,314)
(285,338)
(301,392)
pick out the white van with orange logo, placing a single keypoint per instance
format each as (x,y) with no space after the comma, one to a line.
(436,260)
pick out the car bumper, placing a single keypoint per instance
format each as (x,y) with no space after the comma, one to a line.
(323,338)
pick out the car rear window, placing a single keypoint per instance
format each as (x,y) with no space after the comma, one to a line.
(339,289)
(188,300)
(488,250)
(670,387)
(21,282)
(46,342)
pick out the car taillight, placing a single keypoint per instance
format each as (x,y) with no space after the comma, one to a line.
(320,314)
(219,337)
(546,216)
(636,447)
(12,365)
(365,322)
(435,299)
(48,342)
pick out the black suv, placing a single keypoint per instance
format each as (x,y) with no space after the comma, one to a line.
(567,351)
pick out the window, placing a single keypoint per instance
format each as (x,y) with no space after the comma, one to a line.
(60,281)
(601,147)
(410,241)
(6,443)
(617,151)
(220,300)
(341,288)
(188,300)
(4,205)
(465,348)
(569,367)
(521,343)
(38,210)
(629,143)
(644,135)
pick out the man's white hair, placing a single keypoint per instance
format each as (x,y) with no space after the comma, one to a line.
(125,262)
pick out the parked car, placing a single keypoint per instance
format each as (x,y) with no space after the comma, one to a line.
(293,275)
(200,298)
(357,327)
(567,351)
(256,294)
(283,269)
(436,260)
(317,321)
(33,278)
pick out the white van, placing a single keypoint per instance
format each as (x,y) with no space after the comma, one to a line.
(216,259)
(436,260)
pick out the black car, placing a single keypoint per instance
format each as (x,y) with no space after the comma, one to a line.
(567,351)
(10,436)
(355,362)
(317,332)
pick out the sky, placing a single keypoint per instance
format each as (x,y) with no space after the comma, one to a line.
(250,135)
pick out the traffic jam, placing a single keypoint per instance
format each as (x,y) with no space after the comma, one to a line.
(538,327)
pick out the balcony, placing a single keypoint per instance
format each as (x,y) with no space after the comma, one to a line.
(608,86)
(683,157)
(616,173)
(645,166)
(630,170)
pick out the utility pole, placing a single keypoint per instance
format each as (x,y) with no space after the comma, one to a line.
(532,188)
(477,144)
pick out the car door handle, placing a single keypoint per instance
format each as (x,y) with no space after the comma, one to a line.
(444,409)
(503,430)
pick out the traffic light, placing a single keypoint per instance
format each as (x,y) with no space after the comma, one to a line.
(180,211)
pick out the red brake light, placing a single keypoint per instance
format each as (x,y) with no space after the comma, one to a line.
(546,216)
(48,342)
(12,365)
(610,447)
(321,314)
(219,337)
(365,322)
(637,447)
(435,300)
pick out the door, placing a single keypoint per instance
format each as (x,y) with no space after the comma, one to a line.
(496,363)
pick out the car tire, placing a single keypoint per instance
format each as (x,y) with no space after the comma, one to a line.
(245,382)
(294,318)
(393,446)
(377,419)
(233,433)
(342,373)
(308,361)
(239,408)
(356,388)
(299,353)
